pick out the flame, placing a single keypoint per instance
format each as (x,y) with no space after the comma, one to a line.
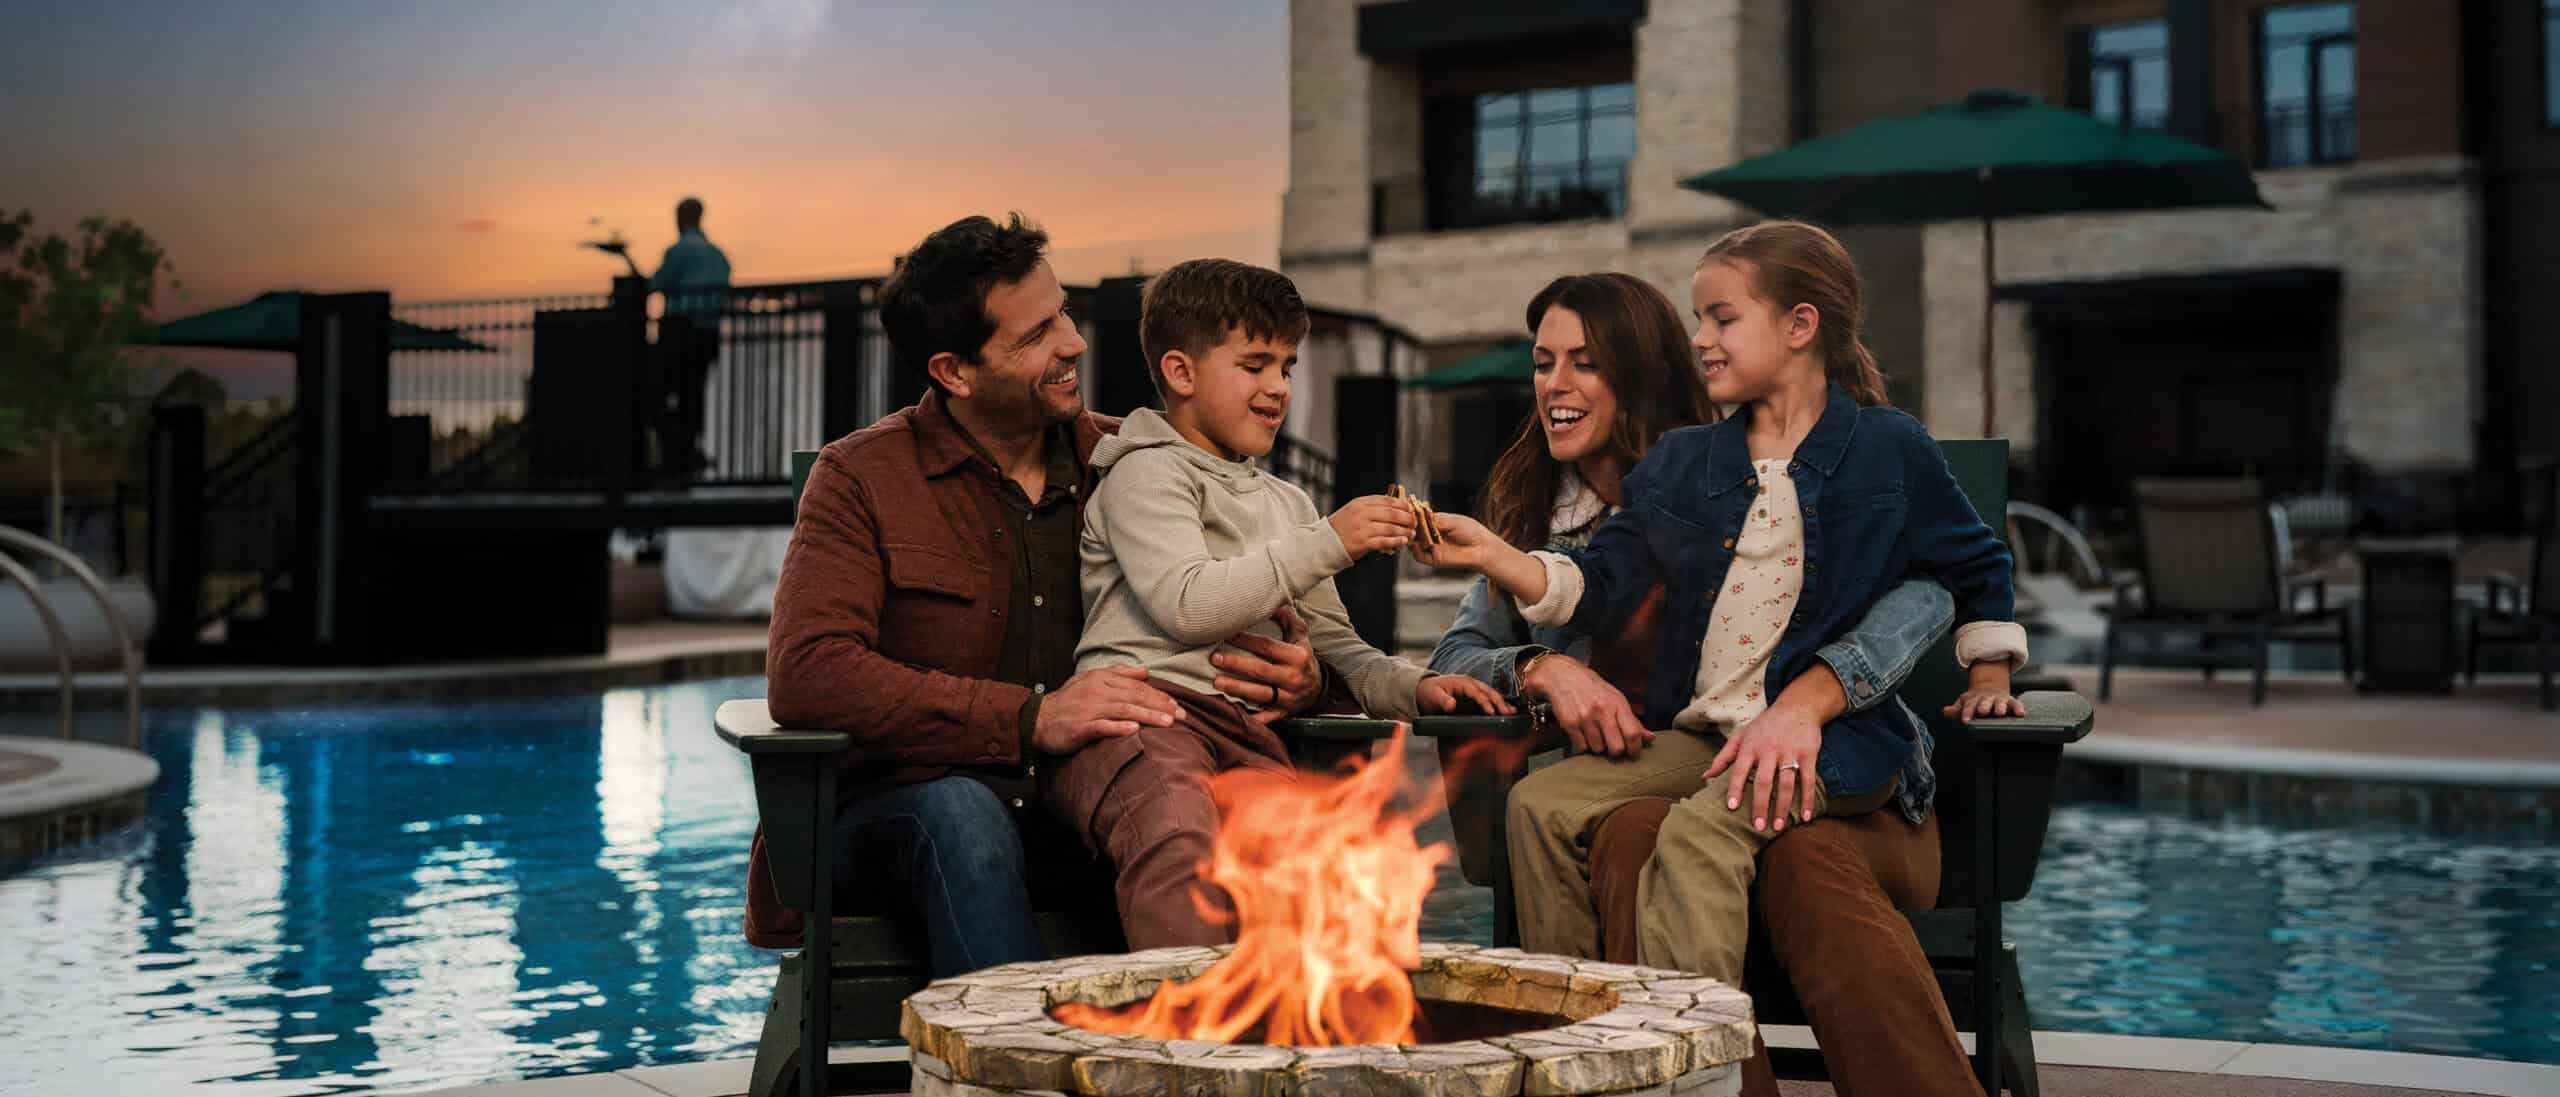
(1327,884)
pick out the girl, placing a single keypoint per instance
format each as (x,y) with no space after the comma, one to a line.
(1772,531)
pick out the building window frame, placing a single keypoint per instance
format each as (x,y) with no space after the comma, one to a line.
(2085,64)
(2320,152)
(2550,58)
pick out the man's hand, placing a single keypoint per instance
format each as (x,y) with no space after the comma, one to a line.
(1594,715)
(1443,692)
(1772,756)
(1280,675)
(1373,523)
(1103,703)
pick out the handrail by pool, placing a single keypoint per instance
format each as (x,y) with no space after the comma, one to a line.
(17,573)
(132,655)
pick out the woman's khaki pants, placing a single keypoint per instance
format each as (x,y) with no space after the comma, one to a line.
(1693,901)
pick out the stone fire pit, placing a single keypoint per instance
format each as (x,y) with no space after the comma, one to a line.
(1615,1029)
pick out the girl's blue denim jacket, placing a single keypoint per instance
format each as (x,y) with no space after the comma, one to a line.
(1880,506)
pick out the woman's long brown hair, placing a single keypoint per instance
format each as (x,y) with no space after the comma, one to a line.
(1642,350)
(1791,263)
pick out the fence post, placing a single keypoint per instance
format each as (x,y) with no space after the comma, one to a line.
(639,392)
(846,375)
(1364,463)
(177,530)
(1119,374)
(342,376)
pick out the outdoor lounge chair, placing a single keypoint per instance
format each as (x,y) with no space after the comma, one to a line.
(2526,613)
(1995,796)
(2213,565)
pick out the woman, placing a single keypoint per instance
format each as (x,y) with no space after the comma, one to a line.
(1613,373)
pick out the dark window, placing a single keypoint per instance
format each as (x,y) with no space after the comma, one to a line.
(2307,84)
(2551,63)
(1517,155)
(2127,73)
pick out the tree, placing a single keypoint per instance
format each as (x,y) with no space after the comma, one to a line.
(68,310)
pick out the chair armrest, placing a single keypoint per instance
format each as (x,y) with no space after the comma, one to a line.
(750,728)
(1436,727)
(2052,719)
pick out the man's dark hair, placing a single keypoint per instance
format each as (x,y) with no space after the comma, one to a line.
(937,300)
(1191,307)
(689,214)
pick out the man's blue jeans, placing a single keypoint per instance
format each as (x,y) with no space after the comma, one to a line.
(944,854)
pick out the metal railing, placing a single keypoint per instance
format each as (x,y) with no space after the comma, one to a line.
(60,637)
(2298,134)
(1527,195)
(1304,465)
(463,366)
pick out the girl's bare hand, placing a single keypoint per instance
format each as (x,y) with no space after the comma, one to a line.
(1464,543)
(1978,704)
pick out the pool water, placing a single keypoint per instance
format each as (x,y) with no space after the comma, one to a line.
(420,895)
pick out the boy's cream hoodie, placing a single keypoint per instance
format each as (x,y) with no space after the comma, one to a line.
(1182,549)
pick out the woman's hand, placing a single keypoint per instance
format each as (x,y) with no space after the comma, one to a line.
(1772,759)
(1982,702)
(1280,675)
(1442,692)
(1594,715)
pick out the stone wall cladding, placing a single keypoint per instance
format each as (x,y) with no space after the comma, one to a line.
(1711,88)
(1326,209)
(2405,235)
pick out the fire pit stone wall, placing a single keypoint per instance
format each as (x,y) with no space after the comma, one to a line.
(1627,1030)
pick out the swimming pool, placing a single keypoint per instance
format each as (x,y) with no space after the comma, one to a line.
(418,895)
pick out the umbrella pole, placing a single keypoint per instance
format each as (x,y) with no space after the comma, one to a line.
(1990,281)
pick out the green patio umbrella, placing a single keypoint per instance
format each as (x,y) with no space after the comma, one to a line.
(1508,362)
(1992,154)
(273,321)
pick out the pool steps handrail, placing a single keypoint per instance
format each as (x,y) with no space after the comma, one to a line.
(132,655)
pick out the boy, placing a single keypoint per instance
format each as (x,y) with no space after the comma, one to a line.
(1186,543)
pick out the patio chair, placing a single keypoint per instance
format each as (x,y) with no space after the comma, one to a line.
(2524,613)
(2213,565)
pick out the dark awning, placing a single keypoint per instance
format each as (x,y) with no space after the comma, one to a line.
(1417,26)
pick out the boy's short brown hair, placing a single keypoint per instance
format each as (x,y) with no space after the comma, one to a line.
(1191,307)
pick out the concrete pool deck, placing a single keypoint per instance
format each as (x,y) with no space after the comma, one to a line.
(2071,1065)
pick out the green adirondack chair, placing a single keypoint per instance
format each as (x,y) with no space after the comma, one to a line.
(1995,797)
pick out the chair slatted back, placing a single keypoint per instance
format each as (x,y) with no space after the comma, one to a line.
(1981,468)
(2208,547)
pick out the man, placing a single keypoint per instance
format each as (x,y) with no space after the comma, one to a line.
(693,273)
(929,605)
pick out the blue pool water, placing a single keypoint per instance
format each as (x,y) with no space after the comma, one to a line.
(412,896)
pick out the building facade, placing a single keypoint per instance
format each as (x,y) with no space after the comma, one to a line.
(1449,158)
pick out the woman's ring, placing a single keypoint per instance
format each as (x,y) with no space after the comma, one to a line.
(1784,766)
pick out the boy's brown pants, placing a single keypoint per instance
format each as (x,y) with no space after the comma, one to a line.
(1829,899)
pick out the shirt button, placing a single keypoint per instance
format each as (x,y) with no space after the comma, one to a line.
(1017,801)
(1039,600)
(1753,483)
(998,611)
(1031,771)
(1039,687)
(994,747)
(1728,542)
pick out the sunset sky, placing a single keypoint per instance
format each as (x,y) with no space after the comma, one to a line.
(450,148)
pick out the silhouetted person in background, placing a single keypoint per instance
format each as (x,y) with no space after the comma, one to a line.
(694,274)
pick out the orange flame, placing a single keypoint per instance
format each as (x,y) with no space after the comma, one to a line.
(1327,883)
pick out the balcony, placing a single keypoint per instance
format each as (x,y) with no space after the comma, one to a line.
(1538,194)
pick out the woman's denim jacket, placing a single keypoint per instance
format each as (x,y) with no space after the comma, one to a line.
(1879,505)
